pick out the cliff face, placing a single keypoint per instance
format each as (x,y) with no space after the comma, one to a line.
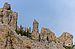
(9,39)
(7,16)
(66,39)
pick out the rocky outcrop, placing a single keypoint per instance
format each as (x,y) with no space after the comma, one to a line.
(66,39)
(35,31)
(7,16)
(47,34)
(7,6)
(44,34)
(9,39)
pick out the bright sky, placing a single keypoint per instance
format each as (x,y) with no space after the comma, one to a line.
(57,15)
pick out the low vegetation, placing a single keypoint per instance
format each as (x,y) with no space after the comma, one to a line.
(69,47)
(23,33)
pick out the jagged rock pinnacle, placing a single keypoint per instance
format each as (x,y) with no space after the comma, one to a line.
(35,21)
(9,39)
(7,6)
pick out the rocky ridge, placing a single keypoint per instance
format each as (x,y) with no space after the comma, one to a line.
(46,39)
(10,40)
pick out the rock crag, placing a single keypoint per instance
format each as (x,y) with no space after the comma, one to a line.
(46,39)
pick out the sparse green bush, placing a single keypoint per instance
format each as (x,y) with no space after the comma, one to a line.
(23,33)
(69,47)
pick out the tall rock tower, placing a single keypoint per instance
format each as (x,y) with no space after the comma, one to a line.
(35,31)
(35,26)
(7,16)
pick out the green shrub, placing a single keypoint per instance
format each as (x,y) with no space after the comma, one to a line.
(23,33)
(69,47)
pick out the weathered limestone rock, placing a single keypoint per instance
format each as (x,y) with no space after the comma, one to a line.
(35,36)
(8,38)
(66,39)
(13,21)
(46,34)
(35,26)
(35,32)
(1,15)
(51,37)
(53,45)
(7,16)
(7,6)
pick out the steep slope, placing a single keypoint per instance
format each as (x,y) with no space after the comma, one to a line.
(10,40)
